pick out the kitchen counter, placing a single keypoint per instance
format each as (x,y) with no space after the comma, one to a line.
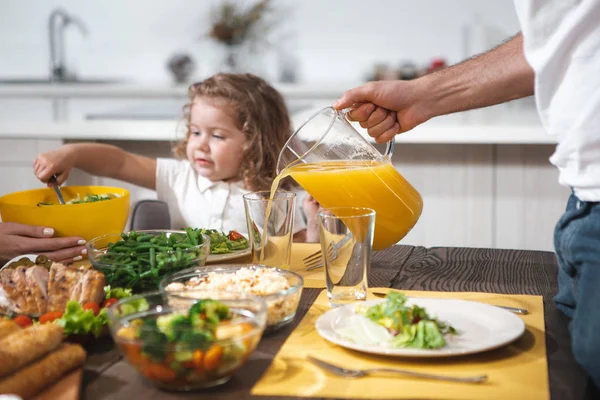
(152,114)
(120,90)
(494,125)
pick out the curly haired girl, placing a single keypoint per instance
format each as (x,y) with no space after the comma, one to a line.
(236,126)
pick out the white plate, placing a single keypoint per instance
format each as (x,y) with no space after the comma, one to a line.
(32,257)
(228,256)
(482,327)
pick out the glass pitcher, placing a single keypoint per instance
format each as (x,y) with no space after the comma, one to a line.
(339,168)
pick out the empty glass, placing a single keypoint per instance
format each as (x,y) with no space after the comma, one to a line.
(346,243)
(271,244)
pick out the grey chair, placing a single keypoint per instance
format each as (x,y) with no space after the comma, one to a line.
(150,214)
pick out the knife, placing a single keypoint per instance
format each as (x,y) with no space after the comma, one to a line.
(522,311)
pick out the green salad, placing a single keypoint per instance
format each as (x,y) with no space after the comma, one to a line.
(88,198)
(409,326)
(220,243)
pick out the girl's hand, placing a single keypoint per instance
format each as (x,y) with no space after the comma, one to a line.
(311,207)
(57,162)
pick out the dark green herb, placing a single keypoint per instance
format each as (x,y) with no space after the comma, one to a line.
(154,342)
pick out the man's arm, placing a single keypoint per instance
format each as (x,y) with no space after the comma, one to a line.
(499,75)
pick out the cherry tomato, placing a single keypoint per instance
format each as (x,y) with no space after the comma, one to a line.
(23,321)
(109,302)
(51,316)
(92,306)
(233,235)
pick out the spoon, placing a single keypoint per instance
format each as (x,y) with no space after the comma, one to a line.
(56,188)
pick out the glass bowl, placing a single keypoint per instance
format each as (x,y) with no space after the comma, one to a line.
(178,349)
(138,260)
(281,289)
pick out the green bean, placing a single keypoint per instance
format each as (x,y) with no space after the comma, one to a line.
(144,259)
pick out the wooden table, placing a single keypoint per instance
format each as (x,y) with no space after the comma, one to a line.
(107,376)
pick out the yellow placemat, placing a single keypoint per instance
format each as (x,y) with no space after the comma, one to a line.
(516,371)
(314,278)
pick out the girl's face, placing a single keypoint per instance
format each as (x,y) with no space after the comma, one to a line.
(215,145)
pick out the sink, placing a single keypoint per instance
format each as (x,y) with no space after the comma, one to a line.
(47,81)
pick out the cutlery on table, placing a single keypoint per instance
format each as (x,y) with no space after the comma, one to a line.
(358,373)
(56,188)
(315,260)
(516,310)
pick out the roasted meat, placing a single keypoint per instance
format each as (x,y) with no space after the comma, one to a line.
(37,282)
(13,299)
(63,280)
(35,291)
(92,286)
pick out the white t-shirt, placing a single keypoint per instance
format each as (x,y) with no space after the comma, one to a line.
(562,44)
(196,202)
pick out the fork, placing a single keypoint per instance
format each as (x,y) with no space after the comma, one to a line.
(359,373)
(315,260)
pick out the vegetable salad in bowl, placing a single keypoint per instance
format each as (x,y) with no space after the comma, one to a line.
(179,343)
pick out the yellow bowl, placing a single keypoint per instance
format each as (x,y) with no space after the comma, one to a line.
(88,220)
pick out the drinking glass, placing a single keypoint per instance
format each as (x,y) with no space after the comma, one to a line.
(270,226)
(346,243)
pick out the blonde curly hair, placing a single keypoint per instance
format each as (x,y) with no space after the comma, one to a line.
(260,113)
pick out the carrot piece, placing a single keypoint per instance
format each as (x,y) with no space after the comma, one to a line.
(158,372)
(197,359)
(213,357)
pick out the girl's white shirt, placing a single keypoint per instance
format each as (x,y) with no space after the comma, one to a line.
(197,202)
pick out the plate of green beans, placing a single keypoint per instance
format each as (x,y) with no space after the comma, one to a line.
(139,260)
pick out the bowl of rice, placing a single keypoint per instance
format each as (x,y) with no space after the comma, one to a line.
(281,289)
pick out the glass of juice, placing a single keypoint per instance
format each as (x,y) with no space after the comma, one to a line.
(346,241)
(335,164)
(270,221)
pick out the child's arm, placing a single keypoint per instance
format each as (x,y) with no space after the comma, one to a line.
(96,159)
(311,208)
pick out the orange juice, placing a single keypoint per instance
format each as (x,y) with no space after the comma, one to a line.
(359,183)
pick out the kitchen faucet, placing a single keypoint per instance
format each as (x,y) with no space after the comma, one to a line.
(57,22)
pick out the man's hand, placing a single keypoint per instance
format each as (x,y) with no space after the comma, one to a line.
(57,162)
(19,239)
(384,108)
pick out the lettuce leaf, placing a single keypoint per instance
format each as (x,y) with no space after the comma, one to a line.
(77,321)
(116,293)
(411,326)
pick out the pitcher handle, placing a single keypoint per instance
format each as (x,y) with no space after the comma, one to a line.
(389,146)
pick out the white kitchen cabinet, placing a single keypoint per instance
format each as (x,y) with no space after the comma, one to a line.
(16,163)
(529,200)
(457,188)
